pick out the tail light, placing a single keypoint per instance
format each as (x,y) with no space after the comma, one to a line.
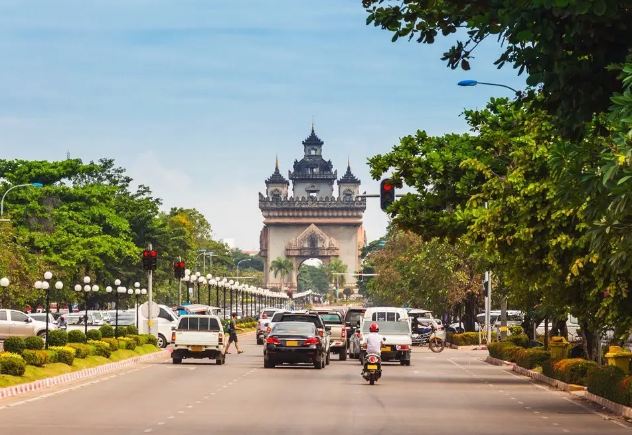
(273,340)
(220,338)
(344,333)
(358,334)
(268,329)
(372,359)
(364,346)
(402,347)
(173,337)
(320,332)
(440,328)
(310,341)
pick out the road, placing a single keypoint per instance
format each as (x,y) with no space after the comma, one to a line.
(449,393)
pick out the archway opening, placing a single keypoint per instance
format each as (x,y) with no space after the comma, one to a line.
(312,276)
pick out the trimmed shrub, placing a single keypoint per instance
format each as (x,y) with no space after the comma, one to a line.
(34,343)
(519,340)
(94,334)
(76,336)
(531,358)
(131,330)
(106,331)
(35,358)
(151,339)
(467,338)
(101,348)
(607,382)
(52,356)
(498,349)
(121,331)
(571,370)
(140,340)
(14,345)
(515,330)
(113,342)
(12,364)
(65,354)
(81,350)
(57,338)
(127,343)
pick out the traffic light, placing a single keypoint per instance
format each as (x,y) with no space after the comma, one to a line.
(178,269)
(150,260)
(360,277)
(387,193)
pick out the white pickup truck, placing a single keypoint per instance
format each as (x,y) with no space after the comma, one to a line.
(397,340)
(198,337)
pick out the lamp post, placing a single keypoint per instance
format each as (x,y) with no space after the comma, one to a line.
(9,190)
(468,83)
(4,283)
(209,281)
(138,292)
(44,285)
(86,289)
(241,261)
(119,291)
(187,280)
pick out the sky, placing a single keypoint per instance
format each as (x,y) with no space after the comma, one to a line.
(196,98)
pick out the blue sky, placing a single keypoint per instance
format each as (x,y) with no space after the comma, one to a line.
(196,97)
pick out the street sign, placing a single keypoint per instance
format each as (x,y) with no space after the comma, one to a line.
(144,309)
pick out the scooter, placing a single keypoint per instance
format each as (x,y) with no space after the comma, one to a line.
(372,370)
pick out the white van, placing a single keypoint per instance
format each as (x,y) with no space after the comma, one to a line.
(385,314)
(163,323)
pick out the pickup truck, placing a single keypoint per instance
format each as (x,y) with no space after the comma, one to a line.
(397,340)
(198,337)
(338,332)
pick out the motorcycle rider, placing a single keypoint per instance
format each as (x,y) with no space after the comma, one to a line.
(374,340)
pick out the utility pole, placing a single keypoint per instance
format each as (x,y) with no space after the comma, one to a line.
(150,321)
(488,275)
(179,286)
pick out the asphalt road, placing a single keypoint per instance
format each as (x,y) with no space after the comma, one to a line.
(449,393)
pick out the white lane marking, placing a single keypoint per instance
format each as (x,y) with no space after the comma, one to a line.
(189,406)
(192,368)
(546,418)
(147,430)
(212,394)
(566,431)
(521,403)
(180,412)
(556,424)
(170,417)
(160,423)
(513,398)
(527,407)
(206,397)
(198,401)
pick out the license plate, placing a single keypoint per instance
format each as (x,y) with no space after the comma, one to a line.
(196,348)
(291,343)
(386,349)
(371,367)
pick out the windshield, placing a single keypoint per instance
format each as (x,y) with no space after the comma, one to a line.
(269,313)
(298,328)
(353,317)
(331,319)
(388,327)
(194,323)
(277,317)
(97,315)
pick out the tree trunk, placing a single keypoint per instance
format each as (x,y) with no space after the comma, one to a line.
(469,316)
(589,342)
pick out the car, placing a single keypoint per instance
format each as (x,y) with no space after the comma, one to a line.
(295,342)
(265,317)
(397,340)
(13,322)
(322,329)
(198,336)
(352,325)
(337,334)
(41,317)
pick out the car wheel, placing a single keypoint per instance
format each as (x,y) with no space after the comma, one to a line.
(343,355)
(328,360)
(162,341)
(177,360)
(319,363)
(42,335)
(268,364)
(259,341)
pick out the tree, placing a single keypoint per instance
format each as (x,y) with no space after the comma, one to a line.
(282,267)
(313,278)
(336,273)
(573,47)
(347,292)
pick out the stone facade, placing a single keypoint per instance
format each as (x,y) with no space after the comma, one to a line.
(311,223)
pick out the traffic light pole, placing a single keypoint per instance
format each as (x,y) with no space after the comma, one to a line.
(150,321)
(180,286)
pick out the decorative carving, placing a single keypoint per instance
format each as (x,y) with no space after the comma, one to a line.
(312,242)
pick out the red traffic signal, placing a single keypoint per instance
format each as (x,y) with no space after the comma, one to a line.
(145,253)
(387,193)
(153,254)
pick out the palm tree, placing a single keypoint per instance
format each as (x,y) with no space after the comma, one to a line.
(282,267)
(335,267)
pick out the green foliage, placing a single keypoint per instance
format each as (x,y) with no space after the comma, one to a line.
(94,334)
(139,340)
(52,356)
(499,349)
(106,331)
(334,267)
(65,354)
(12,364)
(515,330)
(151,339)
(76,336)
(121,331)
(14,345)
(81,350)
(127,343)
(520,340)
(282,267)
(100,348)
(314,278)
(535,39)
(131,330)
(465,339)
(113,343)
(57,337)
(34,343)
(570,371)
(37,358)
(531,358)
(608,382)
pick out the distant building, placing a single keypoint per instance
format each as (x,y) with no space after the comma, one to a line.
(250,252)
(229,242)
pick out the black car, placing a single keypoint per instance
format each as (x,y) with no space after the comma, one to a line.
(294,342)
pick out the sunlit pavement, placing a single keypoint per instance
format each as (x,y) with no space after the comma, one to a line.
(448,393)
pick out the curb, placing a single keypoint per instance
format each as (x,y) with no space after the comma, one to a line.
(497,362)
(81,374)
(610,405)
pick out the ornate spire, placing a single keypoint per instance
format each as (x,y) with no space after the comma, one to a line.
(313,140)
(348,177)
(276,177)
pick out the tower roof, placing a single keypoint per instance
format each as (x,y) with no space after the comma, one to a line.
(313,139)
(276,177)
(348,177)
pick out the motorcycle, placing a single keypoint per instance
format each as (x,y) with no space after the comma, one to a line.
(426,335)
(372,368)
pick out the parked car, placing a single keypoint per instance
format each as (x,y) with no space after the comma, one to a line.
(295,342)
(13,322)
(198,337)
(41,317)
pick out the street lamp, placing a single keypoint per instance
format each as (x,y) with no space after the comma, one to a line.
(138,292)
(194,279)
(9,190)
(44,285)
(239,262)
(4,283)
(87,288)
(468,83)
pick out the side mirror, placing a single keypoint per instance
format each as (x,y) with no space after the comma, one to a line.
(358,324)
(173,328)
(328,328)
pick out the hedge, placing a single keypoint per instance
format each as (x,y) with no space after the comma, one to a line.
(81,350)
(106,331)
(151,339)
(570,371)
(34,342)
(65,354)
(610,383)
(467,338)
(52,356)
(94,334)
(121,331)
(127,343)
(519,340)
(531,358)
(101,348)
(57,337)
(500,349)
(113,342)
(76,336)
(515,330)
(131,330)
(37,358)
(140,340)
(12,364)
(14,345)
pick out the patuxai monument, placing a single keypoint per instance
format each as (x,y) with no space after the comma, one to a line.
(311,218)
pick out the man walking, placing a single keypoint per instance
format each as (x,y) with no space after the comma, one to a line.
(232,337)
